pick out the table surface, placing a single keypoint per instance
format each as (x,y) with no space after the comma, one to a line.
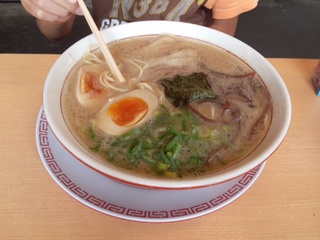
(284,203)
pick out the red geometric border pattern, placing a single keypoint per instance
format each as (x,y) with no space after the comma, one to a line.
(48,155)
(181,212)
(115,208)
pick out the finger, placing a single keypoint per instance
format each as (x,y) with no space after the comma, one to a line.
(50,10)
(57,7)
(72,1)
(39,13)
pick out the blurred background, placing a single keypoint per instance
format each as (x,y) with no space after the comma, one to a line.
(276,28)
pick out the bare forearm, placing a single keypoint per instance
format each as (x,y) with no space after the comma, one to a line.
(55,30)
(227,26)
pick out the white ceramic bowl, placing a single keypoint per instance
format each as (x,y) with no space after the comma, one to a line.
(280,97)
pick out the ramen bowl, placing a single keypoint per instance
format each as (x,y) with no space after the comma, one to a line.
(280,100)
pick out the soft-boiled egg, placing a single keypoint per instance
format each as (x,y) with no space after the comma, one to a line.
(90,92)
(127,111)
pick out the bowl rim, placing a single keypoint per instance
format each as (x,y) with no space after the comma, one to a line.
(62,66)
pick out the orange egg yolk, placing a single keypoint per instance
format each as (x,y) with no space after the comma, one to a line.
(128,111)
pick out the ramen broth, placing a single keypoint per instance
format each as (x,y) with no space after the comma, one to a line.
(194,139)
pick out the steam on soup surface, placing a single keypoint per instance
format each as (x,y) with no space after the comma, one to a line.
(187,108)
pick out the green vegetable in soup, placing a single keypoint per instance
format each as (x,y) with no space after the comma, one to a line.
(172,145)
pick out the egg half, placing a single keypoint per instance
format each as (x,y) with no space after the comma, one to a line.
(90,92)
(127,111)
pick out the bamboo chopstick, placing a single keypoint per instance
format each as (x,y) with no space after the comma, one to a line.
(109,58)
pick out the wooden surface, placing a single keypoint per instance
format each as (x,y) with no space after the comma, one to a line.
(284,203)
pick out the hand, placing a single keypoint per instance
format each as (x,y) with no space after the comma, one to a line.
(52,10)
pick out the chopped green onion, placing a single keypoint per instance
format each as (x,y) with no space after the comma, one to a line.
(136,148)
(171,144)
(164,157)
(176,151)
(91,133)
(163,166)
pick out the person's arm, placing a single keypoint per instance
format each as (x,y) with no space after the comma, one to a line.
(55,30)
(227,26)
(54,17)
(226,12)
